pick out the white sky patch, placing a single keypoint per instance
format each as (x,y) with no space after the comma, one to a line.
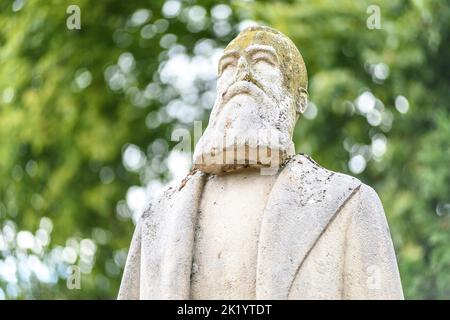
(311,111)
(126,62)
(133,158)
(153,189)
(2,243)
(87,247)
(46,224)
(41,271)
(136,199)
(69,255)
(379,145)
(179,164)
(247,23)
(9,232)
(366,102)
(401,104)
(443,209)
(8,269)
(140,17)
(221,12)
(357,164)
(8,95)
(43,237)
(181,70)
(25,240)
(381,71)
(374,118)
(171,9)
(83,78)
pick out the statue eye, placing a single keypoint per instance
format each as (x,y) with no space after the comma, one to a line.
(263,57)
(224,65)
(264,60)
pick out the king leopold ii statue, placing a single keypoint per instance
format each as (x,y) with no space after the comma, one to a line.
(252,220)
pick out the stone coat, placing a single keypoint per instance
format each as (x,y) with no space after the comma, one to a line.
(324,235)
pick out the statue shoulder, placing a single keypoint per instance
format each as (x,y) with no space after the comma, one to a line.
(306,175)
(173,193)
(310,184)
(370,202)
(336,180)
(307,168)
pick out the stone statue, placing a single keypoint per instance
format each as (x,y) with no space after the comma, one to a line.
(253,220)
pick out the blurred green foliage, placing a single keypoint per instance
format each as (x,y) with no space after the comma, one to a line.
(86,117)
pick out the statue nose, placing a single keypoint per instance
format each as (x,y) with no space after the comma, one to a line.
(243,71)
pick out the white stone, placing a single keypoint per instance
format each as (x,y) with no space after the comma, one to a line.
(228,231)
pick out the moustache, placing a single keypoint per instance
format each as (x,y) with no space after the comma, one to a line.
(251,87)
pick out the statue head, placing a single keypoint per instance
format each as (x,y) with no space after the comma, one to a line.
(261,90)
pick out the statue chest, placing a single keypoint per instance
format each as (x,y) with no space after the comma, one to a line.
(226,237)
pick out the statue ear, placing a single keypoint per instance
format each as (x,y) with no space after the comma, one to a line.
(302,100)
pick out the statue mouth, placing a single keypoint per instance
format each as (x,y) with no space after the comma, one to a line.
(242,87)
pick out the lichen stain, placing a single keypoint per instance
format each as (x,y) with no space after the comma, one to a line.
(291,61)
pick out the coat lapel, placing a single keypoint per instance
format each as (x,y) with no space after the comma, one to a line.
(305,197)
(168,241)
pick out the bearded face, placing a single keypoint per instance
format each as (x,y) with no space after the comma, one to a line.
(254,114)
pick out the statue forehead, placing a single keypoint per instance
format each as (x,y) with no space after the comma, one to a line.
(285,49)
(257,37)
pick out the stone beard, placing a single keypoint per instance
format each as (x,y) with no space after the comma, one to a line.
(254,115)
(233,230)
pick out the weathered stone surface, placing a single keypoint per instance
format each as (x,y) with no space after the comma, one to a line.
(261,90)
(229,232)
(323,235)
